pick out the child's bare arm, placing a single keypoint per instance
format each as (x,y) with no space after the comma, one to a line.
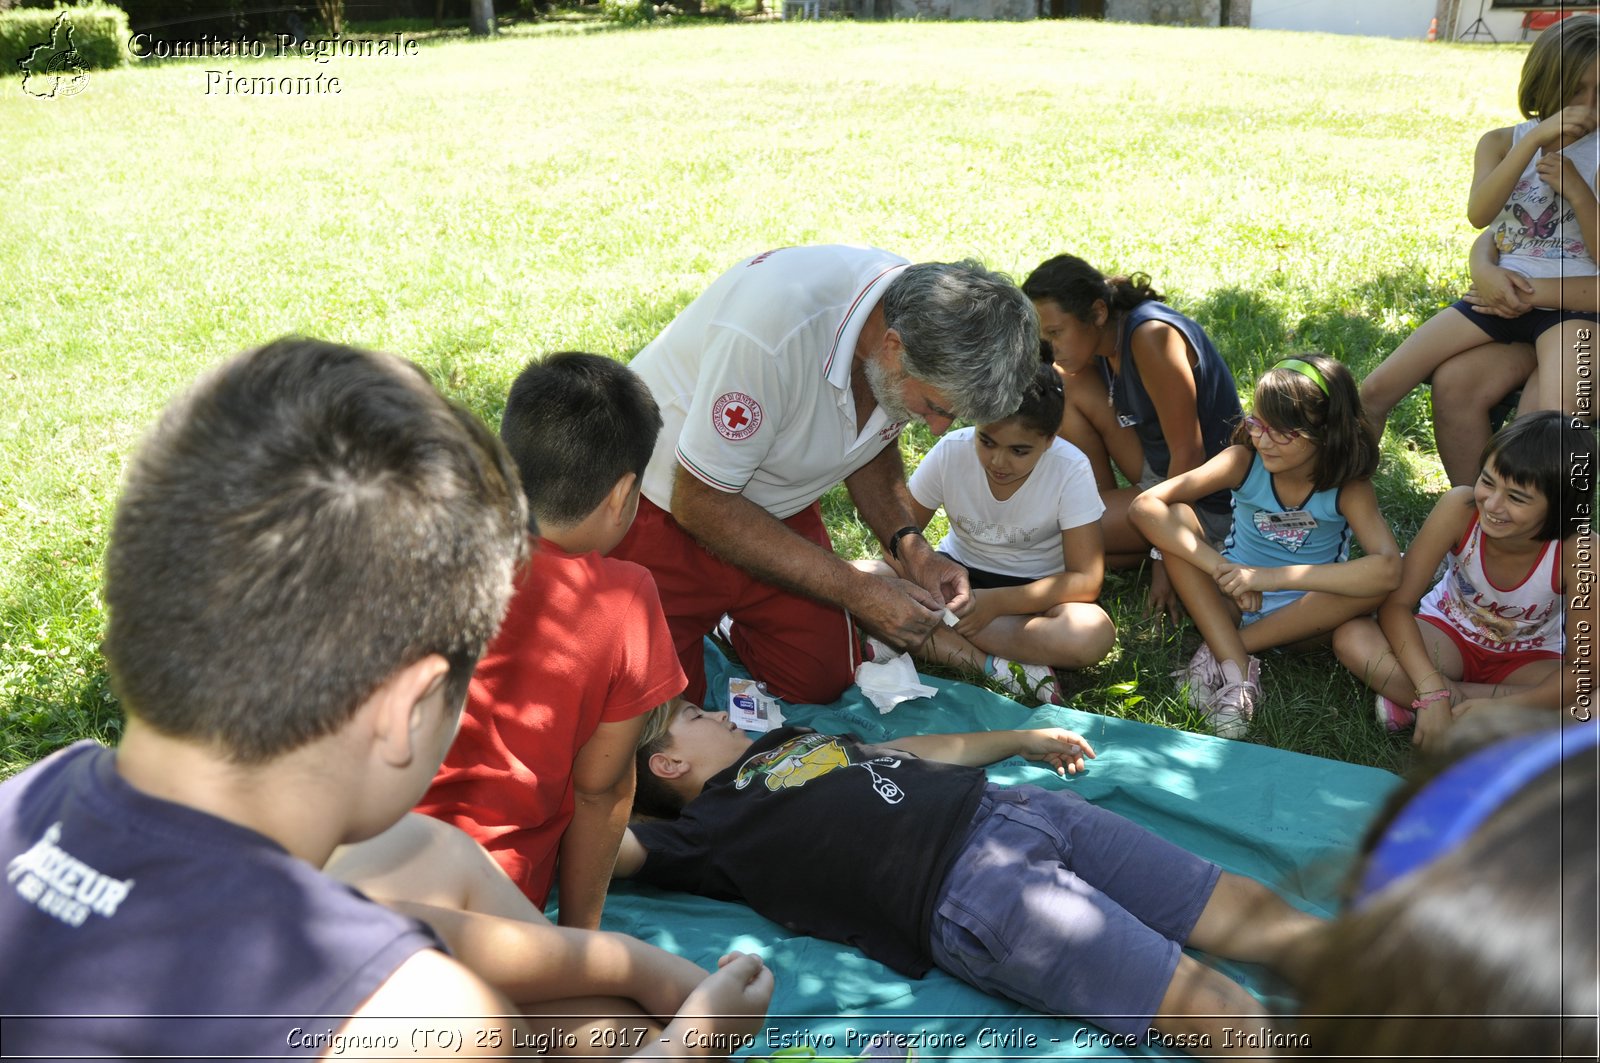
(1397,615)
(1064,750)
(1153,514)
(602,779)
(533,963)
(1566,293)
(1083,548)
(1365,577)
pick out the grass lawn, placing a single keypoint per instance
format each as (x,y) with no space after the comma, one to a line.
(479,202)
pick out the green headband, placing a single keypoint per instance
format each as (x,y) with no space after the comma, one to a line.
(1305,369)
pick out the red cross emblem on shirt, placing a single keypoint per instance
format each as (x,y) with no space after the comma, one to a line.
(736,416)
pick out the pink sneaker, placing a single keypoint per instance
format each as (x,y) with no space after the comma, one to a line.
(1393,715)
(1234,704)
(1203,677)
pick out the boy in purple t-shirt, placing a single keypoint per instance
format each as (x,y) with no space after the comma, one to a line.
(310,552)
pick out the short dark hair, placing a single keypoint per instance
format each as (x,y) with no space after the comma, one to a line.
(575,424)
(306,520)
(1074,285)
(1541,450)
(1042,403)
(1287,398)
(651,795)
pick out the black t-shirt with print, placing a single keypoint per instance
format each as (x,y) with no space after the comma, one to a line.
(826,835)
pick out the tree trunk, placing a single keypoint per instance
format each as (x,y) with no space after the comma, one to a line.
(482,18)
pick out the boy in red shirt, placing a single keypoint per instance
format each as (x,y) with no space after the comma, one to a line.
(541,774)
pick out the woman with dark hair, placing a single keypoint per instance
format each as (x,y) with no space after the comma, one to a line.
(1145,390)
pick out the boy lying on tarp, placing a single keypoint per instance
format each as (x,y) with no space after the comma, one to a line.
(907,852)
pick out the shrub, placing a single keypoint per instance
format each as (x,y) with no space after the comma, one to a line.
(628,12)
(99,37)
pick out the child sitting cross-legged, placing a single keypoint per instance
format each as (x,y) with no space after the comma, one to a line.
(1299,471)
(912,856)
(1025,521)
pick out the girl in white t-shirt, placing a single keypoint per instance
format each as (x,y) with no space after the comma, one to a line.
(1024,519)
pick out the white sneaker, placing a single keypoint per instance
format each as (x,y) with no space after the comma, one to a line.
(1203,676)
(1234,705)
(1035,681)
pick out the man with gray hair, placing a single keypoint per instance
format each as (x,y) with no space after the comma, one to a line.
(795,370)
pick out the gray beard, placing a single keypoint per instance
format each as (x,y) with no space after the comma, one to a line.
(885,387)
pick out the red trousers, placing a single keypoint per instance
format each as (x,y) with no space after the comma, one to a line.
(804,650)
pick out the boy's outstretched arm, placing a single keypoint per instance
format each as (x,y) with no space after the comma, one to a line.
(1063,750)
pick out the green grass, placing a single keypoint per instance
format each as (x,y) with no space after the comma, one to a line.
(487,200)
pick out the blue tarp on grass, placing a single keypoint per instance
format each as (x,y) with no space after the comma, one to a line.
(1290,820)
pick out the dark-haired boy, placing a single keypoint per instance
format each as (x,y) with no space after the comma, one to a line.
(906,852)
(541,774)
(310,552)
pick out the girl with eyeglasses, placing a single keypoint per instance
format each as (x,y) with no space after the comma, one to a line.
(1494,627)
(1299,472)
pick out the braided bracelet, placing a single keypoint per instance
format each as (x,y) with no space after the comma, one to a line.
(1430,698)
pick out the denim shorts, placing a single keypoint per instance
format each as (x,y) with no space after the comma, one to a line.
(1068,908)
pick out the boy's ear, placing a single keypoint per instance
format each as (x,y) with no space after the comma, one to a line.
(617,499)
(402,705)
(664,765)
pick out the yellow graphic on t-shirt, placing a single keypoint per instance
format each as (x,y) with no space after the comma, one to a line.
(794,763)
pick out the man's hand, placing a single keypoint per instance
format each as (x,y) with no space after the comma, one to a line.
(897,611)
(1162,600)
(1062,749)
(941,577)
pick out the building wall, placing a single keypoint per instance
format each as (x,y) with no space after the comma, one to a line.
(1367,18)
(1166,12)
(987,10)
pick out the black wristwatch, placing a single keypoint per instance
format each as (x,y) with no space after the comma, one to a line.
(894,540)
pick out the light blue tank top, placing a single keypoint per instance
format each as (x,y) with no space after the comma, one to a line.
(1267,532)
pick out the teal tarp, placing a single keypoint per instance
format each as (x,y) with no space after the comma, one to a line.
(1287,819)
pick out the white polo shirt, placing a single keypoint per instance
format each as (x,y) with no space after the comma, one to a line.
(753,378)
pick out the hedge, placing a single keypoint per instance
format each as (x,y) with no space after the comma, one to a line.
(99,35)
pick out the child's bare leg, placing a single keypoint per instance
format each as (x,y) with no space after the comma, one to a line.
(1246,920)
(1566,359)
(1465,389)
(1309,617)
(1070,635)
(1362,647)
(1441,337)
(1205,1003)
(1125,544)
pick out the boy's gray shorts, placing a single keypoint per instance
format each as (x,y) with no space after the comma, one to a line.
(1068,908)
